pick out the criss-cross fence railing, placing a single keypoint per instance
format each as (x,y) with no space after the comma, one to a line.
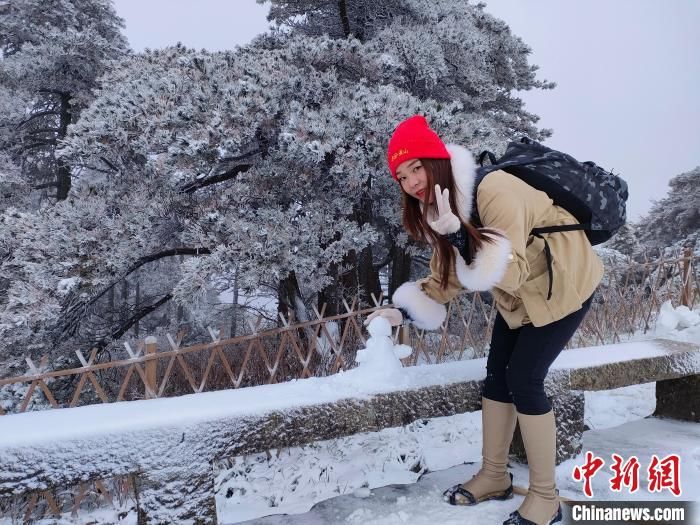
(117,492)
(627,302)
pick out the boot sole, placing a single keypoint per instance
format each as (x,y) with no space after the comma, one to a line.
(516,518)
(497,496)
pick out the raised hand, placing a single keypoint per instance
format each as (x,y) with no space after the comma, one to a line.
(393,315)
(447,222)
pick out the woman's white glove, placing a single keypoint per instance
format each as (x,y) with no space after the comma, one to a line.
(393,315)
(447,222)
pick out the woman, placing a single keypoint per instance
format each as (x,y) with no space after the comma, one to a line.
(538,310)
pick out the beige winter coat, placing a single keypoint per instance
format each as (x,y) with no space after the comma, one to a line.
(513,268)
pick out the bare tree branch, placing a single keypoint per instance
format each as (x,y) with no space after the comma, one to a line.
(39,143)
(38,115)
(193,186)
(166,253)
(139,314)
(112,166)
(54,92)
(51,184)
(43,130)
(223,176)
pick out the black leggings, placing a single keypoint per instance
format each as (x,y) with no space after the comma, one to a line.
(520,359)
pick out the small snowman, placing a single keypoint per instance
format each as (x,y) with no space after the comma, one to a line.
(380,357)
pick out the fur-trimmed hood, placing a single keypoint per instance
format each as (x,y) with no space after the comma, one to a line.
(491,261)
(464,173)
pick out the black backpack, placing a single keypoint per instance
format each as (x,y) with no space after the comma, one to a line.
(595,197)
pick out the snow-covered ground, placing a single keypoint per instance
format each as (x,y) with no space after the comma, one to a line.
(372,478)
(397,475)
(420,503)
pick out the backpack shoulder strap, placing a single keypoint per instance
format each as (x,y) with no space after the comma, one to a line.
(560,228)
(481,173)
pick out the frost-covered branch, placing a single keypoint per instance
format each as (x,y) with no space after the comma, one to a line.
(43,130)
(215,179)
(38,115)
(51,184)
(139,314)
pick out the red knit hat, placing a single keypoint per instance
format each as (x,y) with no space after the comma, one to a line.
(413,139)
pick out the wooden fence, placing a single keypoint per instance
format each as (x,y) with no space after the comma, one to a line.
(627,302)
(116,492)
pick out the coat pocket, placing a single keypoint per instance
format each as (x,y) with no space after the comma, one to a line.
(536,257)
(565,299)
(505,300)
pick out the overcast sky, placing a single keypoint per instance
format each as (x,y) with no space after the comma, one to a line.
(627,73)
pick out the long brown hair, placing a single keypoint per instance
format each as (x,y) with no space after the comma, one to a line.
(439,171)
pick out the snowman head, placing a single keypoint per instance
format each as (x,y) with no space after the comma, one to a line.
(379,327)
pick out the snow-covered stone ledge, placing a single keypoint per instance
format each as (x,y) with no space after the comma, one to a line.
(170,443)
(625,364)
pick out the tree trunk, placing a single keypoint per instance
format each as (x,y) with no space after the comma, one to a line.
(368,277)
(400,268)
(138,302)
(234,310)
(63,176)
(289,299)
(343,285)
(125,293)
(63,181)
(180,313)
(344,18)
(329,295)
(110,305)
(124,310)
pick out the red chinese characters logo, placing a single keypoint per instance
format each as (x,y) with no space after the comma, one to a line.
(665,474)
(626,474)
(662,473)
(587,471)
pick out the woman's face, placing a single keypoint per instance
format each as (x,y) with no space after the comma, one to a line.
(414,180)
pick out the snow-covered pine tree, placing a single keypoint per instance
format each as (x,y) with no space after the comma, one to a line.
(13,187)
(672,224)
(53,52)
(267,161)
(446,51)
(257,189)
(674,221)
(626,240)
(360,19)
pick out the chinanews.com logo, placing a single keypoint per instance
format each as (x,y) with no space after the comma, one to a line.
(661,474)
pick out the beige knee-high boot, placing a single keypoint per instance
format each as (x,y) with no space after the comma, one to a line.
(493,480)
(541,505)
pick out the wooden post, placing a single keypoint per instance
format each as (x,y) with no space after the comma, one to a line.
(404,335)
(151,367)
(686,289)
